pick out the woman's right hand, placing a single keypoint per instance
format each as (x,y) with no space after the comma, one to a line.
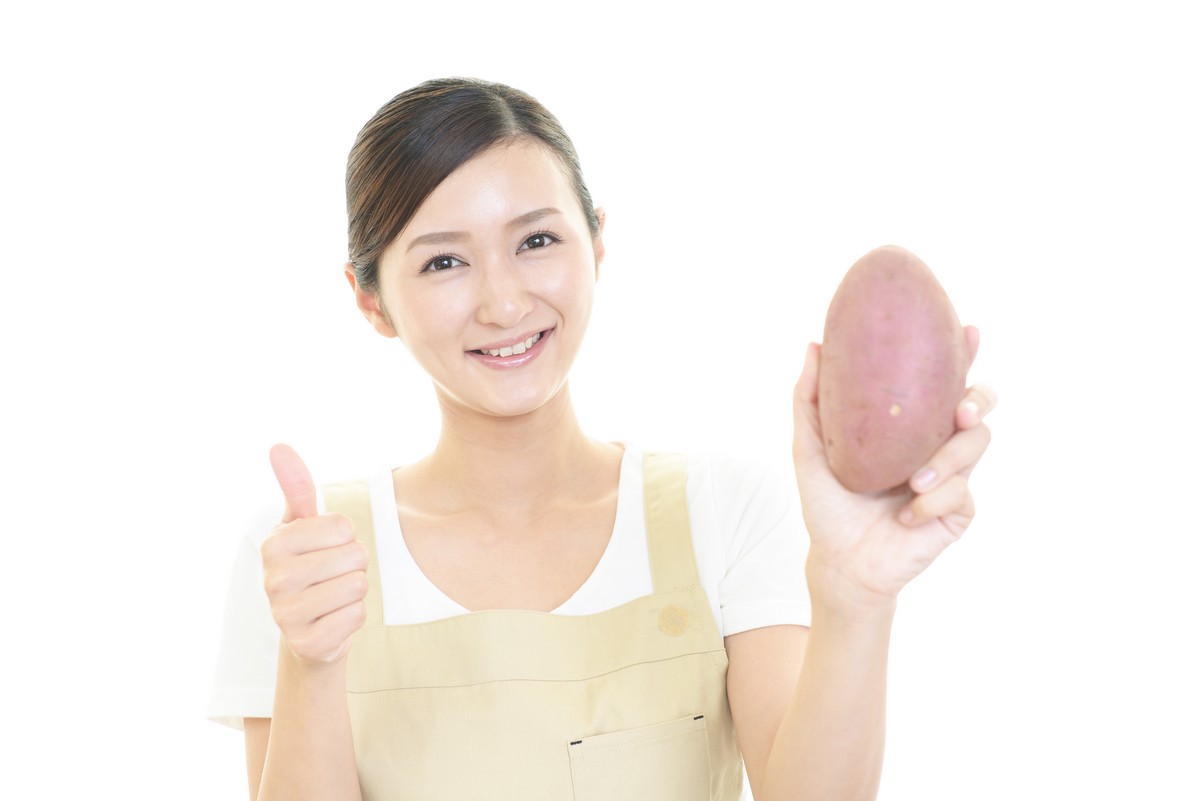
(314,570)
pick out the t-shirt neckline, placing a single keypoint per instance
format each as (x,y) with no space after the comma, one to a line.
(406,579)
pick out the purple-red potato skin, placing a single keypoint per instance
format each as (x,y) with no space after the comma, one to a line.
(893,369)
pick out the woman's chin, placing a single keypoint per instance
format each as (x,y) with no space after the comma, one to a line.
(508,405)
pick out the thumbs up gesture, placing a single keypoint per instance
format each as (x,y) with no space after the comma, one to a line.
(314,571)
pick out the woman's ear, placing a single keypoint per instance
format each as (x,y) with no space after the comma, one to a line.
(598,240)
(369,305)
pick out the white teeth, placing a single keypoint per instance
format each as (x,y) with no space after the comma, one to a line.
(514,350)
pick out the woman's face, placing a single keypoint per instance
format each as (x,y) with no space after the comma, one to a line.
(491,284)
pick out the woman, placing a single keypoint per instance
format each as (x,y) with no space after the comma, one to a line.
(425,665)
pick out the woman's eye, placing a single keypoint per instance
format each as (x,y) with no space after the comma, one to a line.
(439,263)
(539,240)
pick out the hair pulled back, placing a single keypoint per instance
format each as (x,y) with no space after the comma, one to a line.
(422,135)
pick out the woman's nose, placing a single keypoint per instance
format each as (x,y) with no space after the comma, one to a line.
(504,298)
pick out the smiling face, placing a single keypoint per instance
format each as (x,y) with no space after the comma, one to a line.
(491,283)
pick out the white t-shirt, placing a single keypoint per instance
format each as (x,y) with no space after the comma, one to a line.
(747,532)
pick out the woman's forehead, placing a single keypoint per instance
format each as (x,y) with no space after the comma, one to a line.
(495,188)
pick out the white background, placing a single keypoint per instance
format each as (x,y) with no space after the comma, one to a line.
(172,304)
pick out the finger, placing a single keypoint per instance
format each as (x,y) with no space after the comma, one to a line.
(306,535)
(299,492)
(971,333)
(975,405)
(303,609)
(806,386)
(337,593)
(328,564)
(957,456)
(951,502)
(328,638)
(300,572)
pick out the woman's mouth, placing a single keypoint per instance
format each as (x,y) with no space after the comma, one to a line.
(512,350)
(517,354)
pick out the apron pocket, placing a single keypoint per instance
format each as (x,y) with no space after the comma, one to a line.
(663,762)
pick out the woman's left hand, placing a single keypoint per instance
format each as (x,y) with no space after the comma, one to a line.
(866,547)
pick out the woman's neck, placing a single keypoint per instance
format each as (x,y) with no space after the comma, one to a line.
(514,465)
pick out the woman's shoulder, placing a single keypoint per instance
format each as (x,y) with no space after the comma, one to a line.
(738,476)
(733,469)
(749,537)
(723,464)
(728,486)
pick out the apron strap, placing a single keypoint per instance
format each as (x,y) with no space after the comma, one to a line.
(354,501)
(668,532)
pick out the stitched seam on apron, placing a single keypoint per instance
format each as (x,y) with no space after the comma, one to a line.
(531,681)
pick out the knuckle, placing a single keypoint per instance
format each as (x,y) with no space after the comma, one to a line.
(272,583)
(343,527)
(960,489)
(984,433)
(282,620)
(269,550)
(282,577)
(278,579)
(987,394)
(284,612)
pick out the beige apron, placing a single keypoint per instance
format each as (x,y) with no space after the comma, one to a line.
(623,705)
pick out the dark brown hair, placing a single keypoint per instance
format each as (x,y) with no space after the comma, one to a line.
(415,141)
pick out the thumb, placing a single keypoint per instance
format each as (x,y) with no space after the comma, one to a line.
(299,492)
(807,447)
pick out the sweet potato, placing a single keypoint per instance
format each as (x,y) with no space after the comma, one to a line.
(893,369)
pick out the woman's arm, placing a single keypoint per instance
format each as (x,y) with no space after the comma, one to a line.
(257,731)
(809,710)
(809,705)
(314,575)
(306,750)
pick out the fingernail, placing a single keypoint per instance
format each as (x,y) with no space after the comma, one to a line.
(972,409)
(923,478)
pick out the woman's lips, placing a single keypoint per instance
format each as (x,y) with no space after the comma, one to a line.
(517,348)
(513,355)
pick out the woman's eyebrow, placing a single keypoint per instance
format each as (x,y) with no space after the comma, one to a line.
(436,238)
(533,216)
(450,237)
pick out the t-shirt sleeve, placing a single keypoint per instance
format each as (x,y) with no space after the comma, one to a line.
(248,651)
(765,545)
